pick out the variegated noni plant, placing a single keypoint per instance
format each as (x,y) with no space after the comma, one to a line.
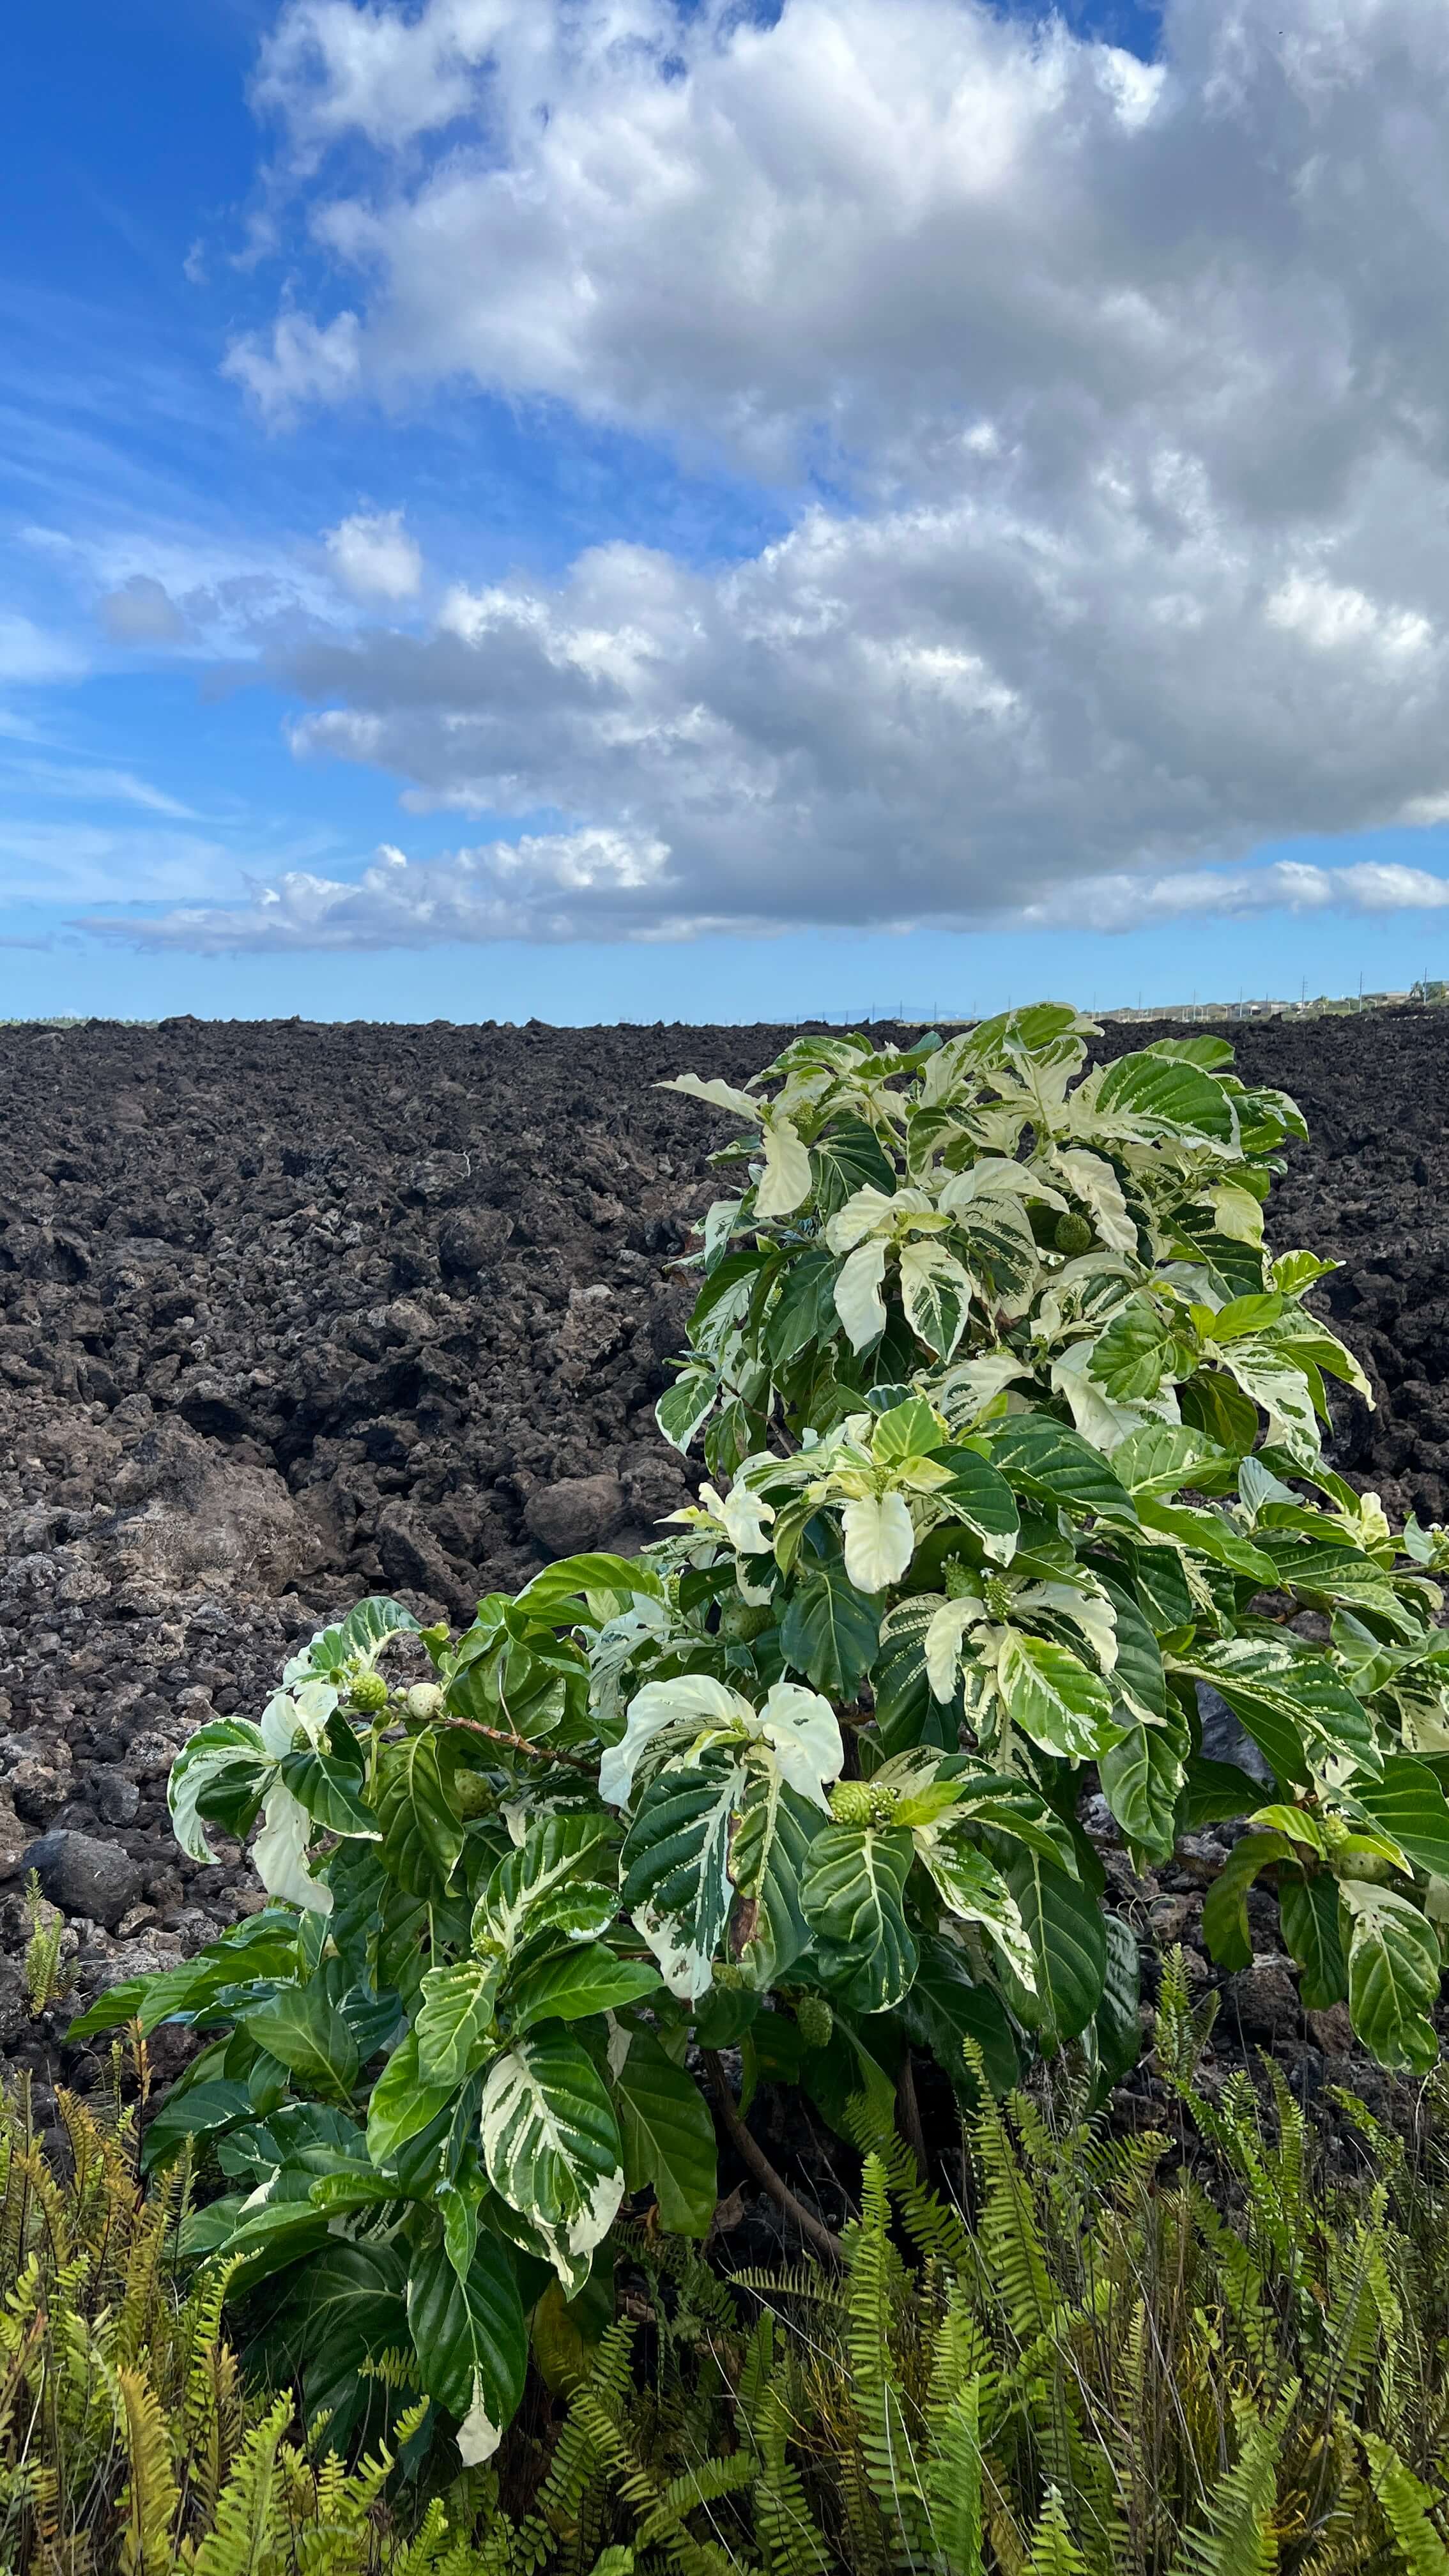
(1013,1447)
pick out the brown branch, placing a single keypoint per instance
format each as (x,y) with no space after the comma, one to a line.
(752,2155)
(908,2112)
(521,1744)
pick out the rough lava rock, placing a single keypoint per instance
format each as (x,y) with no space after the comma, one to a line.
(579,1513)
(85,1877)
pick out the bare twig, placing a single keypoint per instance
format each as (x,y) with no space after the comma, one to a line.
(753,2156)
(908,2111)
(522,1744)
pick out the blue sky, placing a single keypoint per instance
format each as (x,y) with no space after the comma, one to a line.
(665,512)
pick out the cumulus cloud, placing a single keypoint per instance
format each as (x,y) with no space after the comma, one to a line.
(1133,377)
(374,558)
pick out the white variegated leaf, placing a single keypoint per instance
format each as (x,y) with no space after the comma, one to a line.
(551,2145)
(858,1301)
(786,1182)
(943,1643)
(690,1696)
(936,1292)
(719,1095)
(279,1854)
(803,1733)
(880,1540)
(867,1211)
(1086,1610)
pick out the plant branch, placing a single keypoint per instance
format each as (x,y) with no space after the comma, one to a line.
(752,2155)
(908,2112)
(522,1744)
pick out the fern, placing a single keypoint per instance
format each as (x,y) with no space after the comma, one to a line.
(1407,2508)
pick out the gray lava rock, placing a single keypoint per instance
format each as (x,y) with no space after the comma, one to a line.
(83,1876)
(1264,2001)
(1224,1740)
(471,1240)
(116,1797)
(579,1513)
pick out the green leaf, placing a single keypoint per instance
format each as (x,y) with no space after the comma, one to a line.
(773,1833)
(422,1832)
(1225,1909)
(1042,1458)
(453,2020)
(342,2307)
(1163,1096)
(1054,1699)
(1116,2025)
(945,2008)
(1215,1406)
(675,1865)
(1209,1535)
(552,2147)
(1137,1676)
(1309,1914)
(569,1587)
(830,1632)
(328,1789)
(586,1978)
(905,1430)
(1216,1791)
(1141,1781)
(200,2113)
(308,2034)
(1128,1359)
(668,2135)
(1394,1968)
(685,1405)
(981,1499)
(1410,1805)
(1266,1681)
(853,1895)
(1163,1456)
(560,1858)
(471,2340)
(804,1312)
(402,2104)
(1067,1930)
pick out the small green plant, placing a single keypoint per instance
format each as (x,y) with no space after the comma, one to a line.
(1015,1431)
(47,1979)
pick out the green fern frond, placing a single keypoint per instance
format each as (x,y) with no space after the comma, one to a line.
(1408,2507)
(1053,2550)
(1239,2538)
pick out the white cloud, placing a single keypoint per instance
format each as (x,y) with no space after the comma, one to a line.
(374,557)
(1128,902)
(529,889)
(28,652)
(1134,379)
(598,885)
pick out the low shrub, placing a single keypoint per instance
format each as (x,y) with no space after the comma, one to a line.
(1016,1431)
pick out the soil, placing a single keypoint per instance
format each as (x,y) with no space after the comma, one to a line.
(293,1312)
